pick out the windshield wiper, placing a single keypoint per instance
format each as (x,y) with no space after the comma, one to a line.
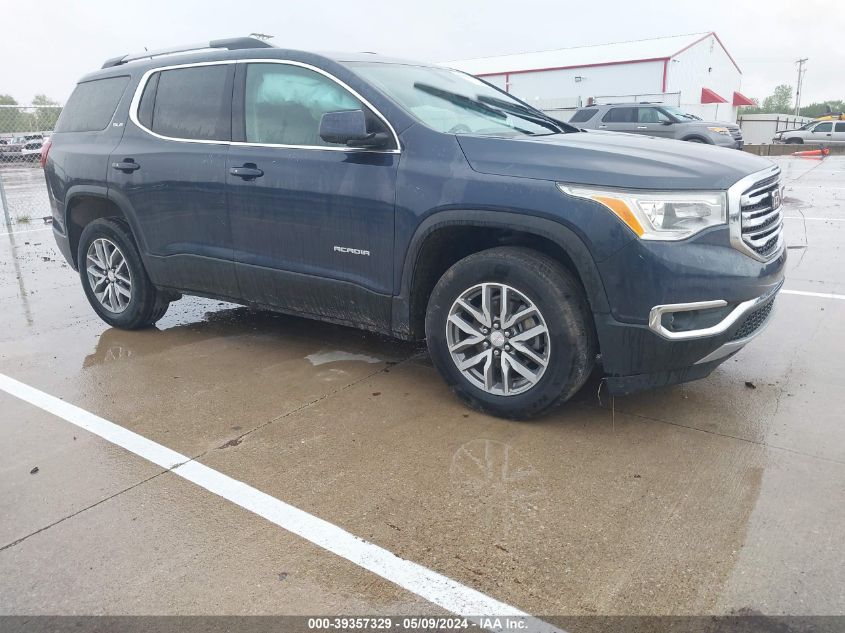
(460,100)
(529,114)
(498,108)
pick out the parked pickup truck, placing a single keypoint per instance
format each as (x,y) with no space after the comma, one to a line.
(816,132)
(419,202)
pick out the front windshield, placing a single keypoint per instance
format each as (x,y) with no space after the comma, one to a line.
(680,114)
(456,103)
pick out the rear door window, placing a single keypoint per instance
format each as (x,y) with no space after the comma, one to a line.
(584,114)
(840,127)
(194,103)
(92,105)
(621,115)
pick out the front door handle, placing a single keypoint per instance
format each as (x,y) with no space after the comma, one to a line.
(642,127)
(127,166)
(249,171)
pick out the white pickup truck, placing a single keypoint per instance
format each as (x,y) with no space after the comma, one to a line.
(814,132)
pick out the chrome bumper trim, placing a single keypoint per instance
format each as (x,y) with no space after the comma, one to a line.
(655,317)
(734,346)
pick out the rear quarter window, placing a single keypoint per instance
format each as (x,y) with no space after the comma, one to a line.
(584,114)
(92,105)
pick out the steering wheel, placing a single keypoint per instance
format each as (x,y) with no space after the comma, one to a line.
(460,127)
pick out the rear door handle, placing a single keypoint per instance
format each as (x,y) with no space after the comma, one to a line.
(127,166)
(249,171)
(642,127)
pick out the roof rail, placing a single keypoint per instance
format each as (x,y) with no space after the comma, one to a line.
(232,44)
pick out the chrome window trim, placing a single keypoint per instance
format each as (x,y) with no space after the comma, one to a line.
(139,91)
(735,193)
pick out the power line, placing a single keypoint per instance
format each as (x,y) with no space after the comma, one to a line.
(801,72)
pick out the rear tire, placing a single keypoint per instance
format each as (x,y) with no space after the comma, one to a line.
(114,278)
(557,361)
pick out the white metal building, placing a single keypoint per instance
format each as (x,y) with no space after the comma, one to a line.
(693,71)
(761,128)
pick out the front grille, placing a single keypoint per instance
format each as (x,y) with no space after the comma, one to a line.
(761,218)
(754,321)
(736,133)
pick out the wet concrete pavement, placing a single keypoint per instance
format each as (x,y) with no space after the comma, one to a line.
(723,495)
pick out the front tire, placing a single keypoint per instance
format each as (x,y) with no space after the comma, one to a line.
(795,141)
(510,331)
(114,278)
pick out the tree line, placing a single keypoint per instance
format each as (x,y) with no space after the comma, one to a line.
(780,102)
(24,119)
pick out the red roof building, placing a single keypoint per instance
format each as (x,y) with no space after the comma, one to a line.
(695,72)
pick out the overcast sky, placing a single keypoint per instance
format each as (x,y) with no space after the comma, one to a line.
(46,45)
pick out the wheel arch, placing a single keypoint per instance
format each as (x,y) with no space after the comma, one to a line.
(447,236)
(86,203)
(697,137)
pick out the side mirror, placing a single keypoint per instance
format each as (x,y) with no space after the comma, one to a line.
(668,122)
(349,127)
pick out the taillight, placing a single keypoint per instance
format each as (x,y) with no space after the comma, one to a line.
(45,149)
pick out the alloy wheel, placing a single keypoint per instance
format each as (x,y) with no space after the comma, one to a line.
(109,275)
(498,339)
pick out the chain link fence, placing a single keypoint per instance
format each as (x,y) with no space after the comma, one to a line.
(23,194)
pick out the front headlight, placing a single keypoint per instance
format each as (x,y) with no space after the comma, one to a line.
(659,215)
(720,130)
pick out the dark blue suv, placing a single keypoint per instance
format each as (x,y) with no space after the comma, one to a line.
(416,201)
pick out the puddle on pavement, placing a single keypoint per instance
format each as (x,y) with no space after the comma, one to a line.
(338,356)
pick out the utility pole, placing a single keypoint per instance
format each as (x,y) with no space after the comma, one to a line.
(801,72)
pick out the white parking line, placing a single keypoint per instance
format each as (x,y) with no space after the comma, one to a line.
(46,228)
(816,187)
(798,217)
(436,588)
(805,293)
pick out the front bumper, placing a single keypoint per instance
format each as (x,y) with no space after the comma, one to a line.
(655,356)
(722,140)
(679,309)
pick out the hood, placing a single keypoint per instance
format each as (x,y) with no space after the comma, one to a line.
(612,160)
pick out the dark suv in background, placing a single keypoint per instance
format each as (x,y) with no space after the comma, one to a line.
(654,119)
(419,202)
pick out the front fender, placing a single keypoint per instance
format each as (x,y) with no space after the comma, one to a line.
(564,237)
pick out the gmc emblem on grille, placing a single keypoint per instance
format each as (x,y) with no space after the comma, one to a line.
(776,198)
